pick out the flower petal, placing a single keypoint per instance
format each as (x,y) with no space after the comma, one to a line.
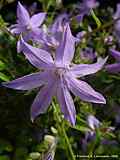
(19,47)
(37,57)
(115,54)
(15,29)
(22,15)
(37,19)
(28,82)
(66,103)
(42,100)
(93,122)
(65,51)
(84,91)
(86,69)
(113,68)
(58,24)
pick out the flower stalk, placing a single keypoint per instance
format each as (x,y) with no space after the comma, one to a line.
(62,131)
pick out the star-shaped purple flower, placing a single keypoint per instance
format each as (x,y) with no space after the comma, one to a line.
(114,68)
(26,25)
(58,78)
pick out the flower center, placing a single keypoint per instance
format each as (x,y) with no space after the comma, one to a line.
(60,71)
(29,27)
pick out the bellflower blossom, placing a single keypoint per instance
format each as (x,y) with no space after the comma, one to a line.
(117,24)
(94,124)
(26,25)
(58,78)
(84,8)
(114,68)
(88,55)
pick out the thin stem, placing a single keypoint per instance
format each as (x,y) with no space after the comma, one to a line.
(4,29)
(95,18)
(68,142)
(63,132)
(101,28)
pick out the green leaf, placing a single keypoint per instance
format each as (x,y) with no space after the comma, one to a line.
(2,65)
(5,146)
(4,158)
(96,18)
(2,22)
(4,77)
(81,128)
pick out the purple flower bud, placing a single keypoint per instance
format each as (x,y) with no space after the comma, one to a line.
(114,68)
(88,54)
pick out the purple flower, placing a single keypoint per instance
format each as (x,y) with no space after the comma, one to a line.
(114,68)
(88,54)
(80,35)
(57,78)
(117,24)
(108,40)
(26,25)
(93,123)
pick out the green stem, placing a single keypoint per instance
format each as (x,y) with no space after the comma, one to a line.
(95,18)
(4,29)
(63,132)
(68,142)
(101,28)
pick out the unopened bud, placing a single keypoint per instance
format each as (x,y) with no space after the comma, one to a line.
(50,139)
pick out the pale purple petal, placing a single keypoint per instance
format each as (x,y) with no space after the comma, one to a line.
(65,51)
(84,90)
(117,13)
(15,29)
(91,3)
(37,57)
(115,54)
(28,82)
(93,122)
(113,68)
(22,15)
(43,99)
(19,47)
(37,19)
(35,35)
(86,69)
(26,37)
(66,103)
(58,24)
